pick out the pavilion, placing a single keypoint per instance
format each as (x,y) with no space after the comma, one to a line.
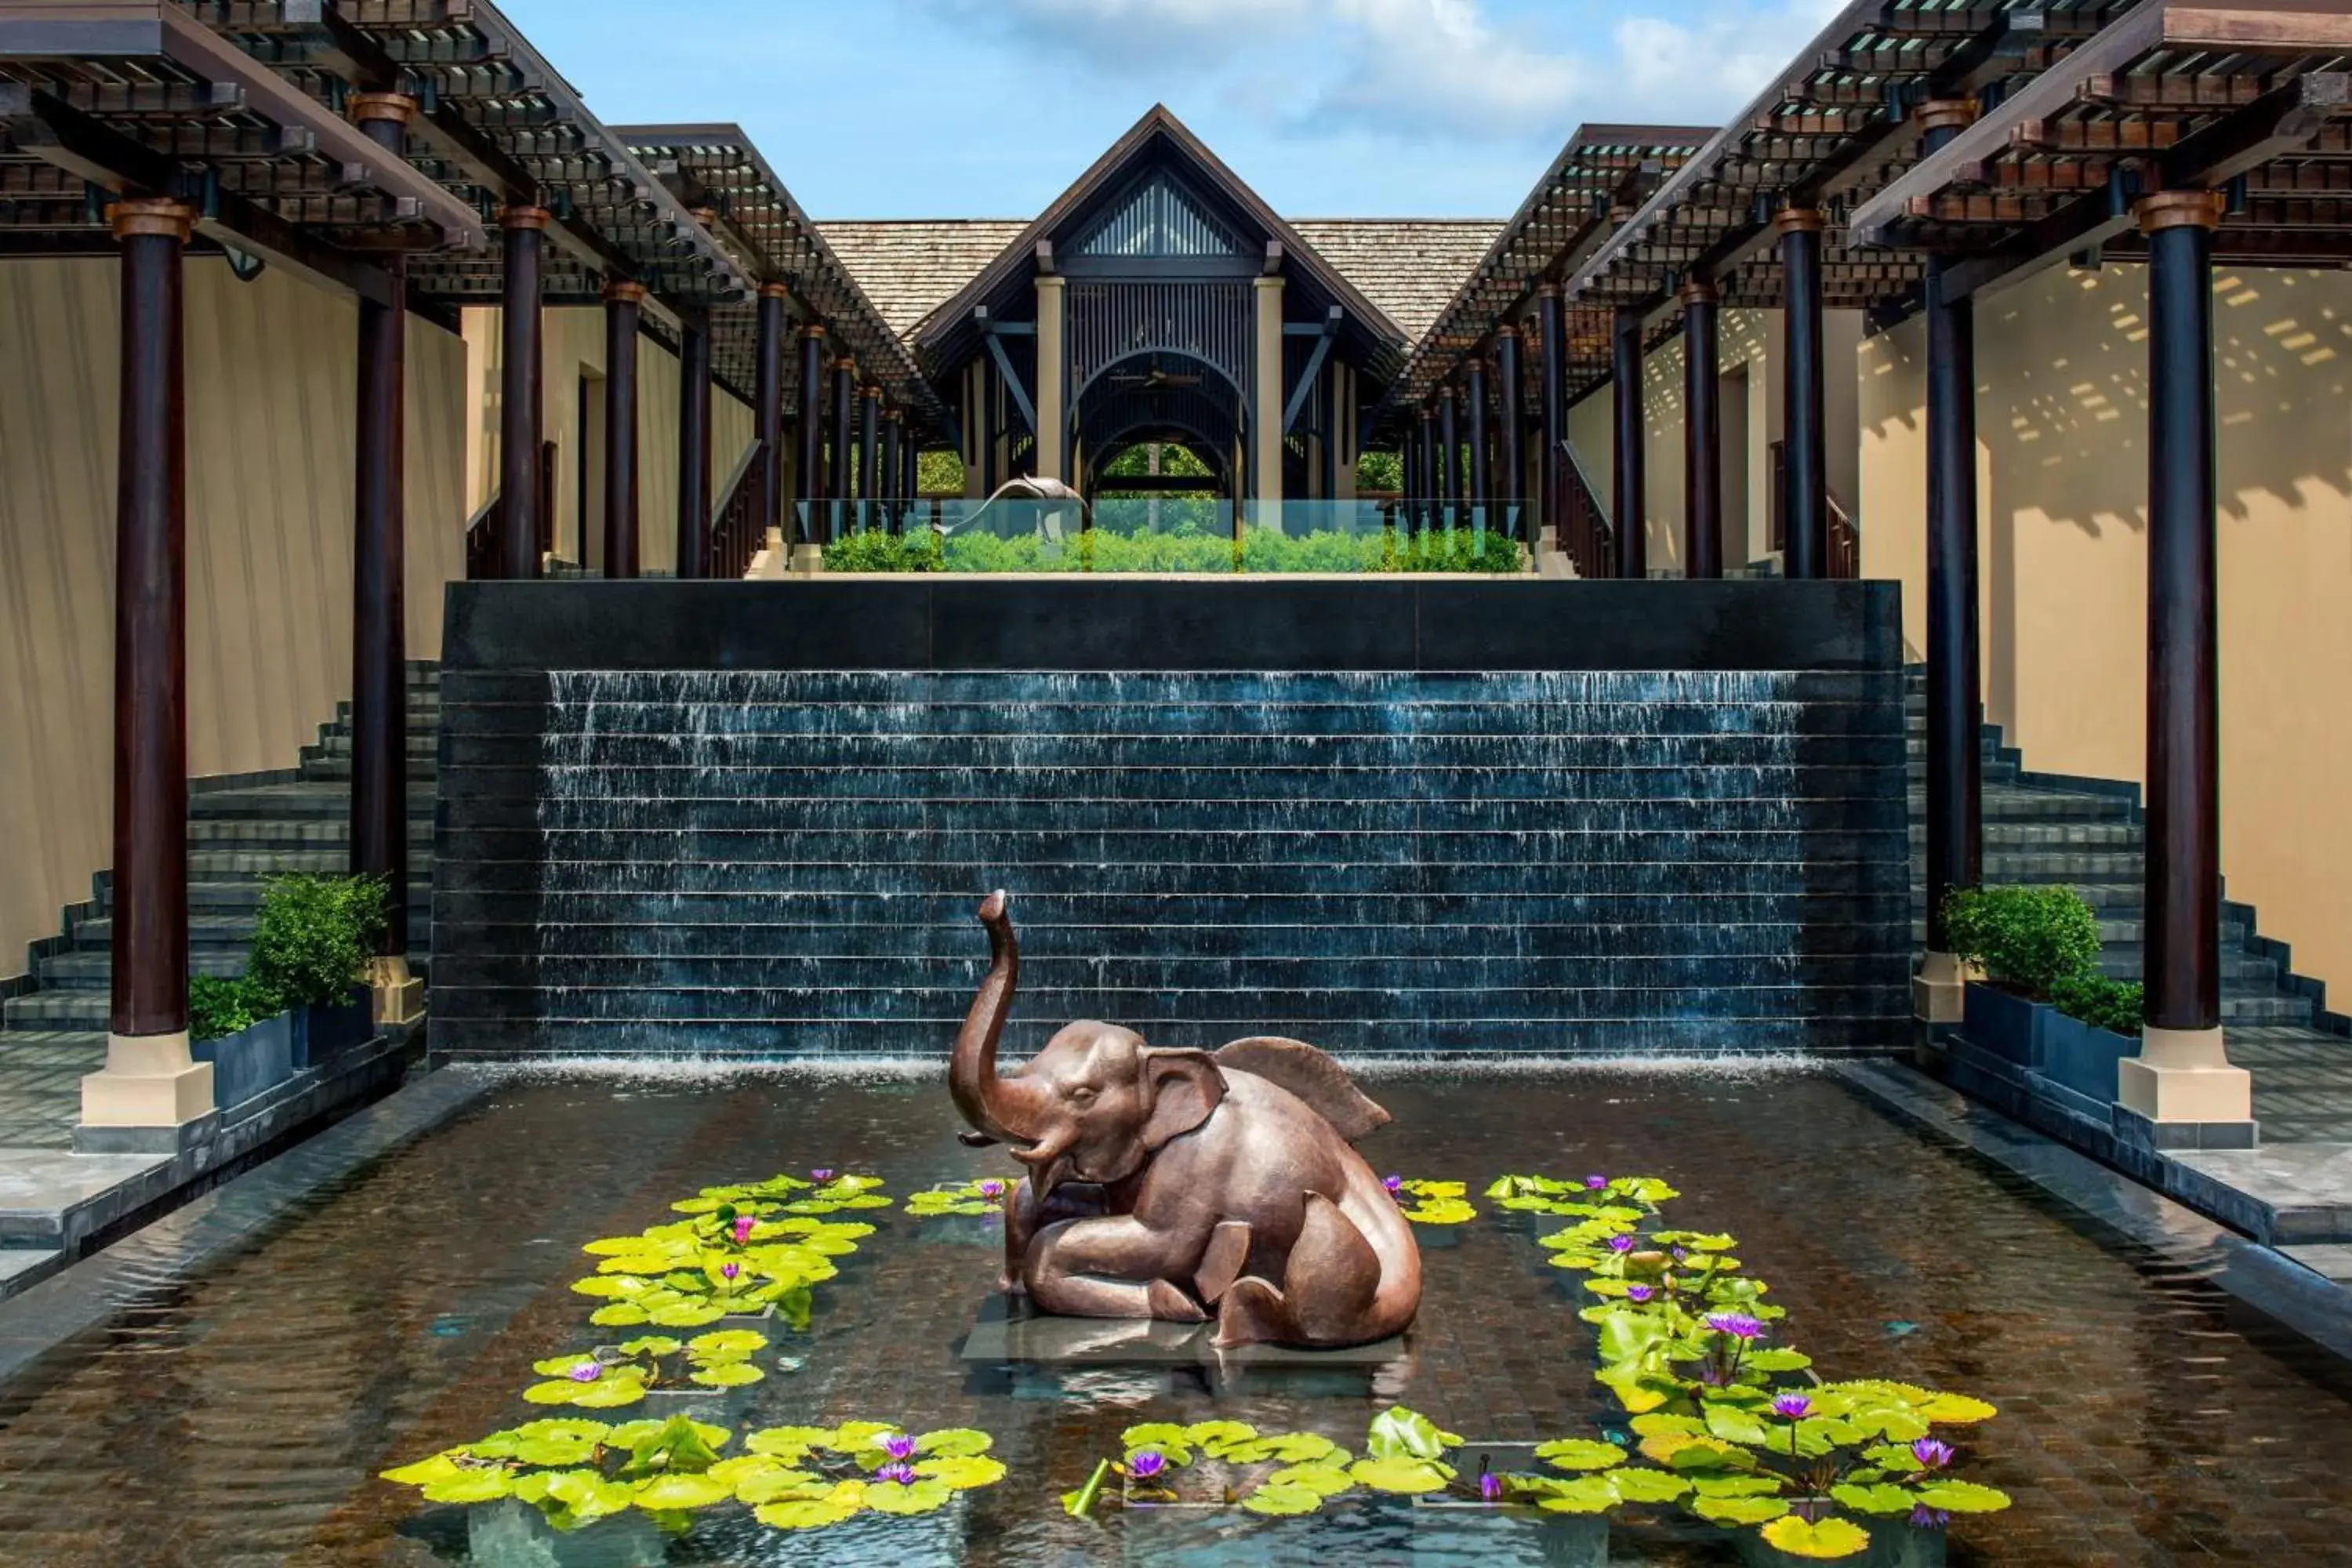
(478,332)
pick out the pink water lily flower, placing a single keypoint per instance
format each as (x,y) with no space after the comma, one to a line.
(728,1271)
(898,1446)
(585,1371)
(821,1176)
(992,1188)
(742,1229)
(1490,1486)
(902,1474)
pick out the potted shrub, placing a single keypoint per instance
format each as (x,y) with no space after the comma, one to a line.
(2026,940)
(2095,1024)
(310,948)
(239,1026)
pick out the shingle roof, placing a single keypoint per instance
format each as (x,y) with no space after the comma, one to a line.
(1409,268)
(909,269)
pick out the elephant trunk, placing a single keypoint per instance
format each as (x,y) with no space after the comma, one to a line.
(990,1103)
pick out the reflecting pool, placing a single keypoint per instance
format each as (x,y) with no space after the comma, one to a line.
(243,1414)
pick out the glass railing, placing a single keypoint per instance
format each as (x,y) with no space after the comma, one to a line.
(1174,535)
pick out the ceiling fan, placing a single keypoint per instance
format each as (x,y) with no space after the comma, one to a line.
(1153,379)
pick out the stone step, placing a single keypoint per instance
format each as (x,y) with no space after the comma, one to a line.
(216,865)
(338,770)
(274,833)
(234,932)
(214,897)
(2015,804)
(2007,834)
(294,801)
(338,743)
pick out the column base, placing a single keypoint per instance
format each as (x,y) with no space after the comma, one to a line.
(398,996)
(1551,561)
(2185,1076)
(149,1081)
(768,562)
(1940,990)
(808,560)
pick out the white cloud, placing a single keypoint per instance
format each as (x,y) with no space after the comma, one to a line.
(1453,71)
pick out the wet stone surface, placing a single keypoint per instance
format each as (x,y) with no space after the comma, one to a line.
(239,1416)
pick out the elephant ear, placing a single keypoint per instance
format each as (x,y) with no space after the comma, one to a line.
(1181,1088)
(1310,1075)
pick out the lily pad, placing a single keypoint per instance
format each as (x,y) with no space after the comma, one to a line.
(726,1374)
(682,1492)
(619,1315)
(1737,1510)
(686,1314)
(1399,1433)
(587,1497)
(1400,1475)
(726,1344)
(1735,1486)
(1585,1494)
(1957,1409)
(1647,1486)
(556,1452)
(1327,1481)
(1580,1454)
(1964,1496)
(905,1498)
(1283,1500)
(1289,1447)
(424,1472)
(1441,1211)
(470,1486)
(962,1472)
(1881,1498)
(779,1486)
(1201,1433)
(788,1443)
(955,1442)
(1827,1538)
(844,1501)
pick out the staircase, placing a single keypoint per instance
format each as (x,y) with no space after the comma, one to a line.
(782,864)
(237,838)
(2086,838)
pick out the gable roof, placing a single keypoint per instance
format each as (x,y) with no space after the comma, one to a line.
(1159,125)
(1409,268)
(908,266)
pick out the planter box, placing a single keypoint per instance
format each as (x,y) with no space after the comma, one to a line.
(2008,1025)
(2084,1058)
(250,1062)
(323,1032)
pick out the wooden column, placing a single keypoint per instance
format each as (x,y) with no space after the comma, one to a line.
(1702,436)
(1552,350)
(520,421)
(1510,493)
(2182,1073)
(1805,508)
(768,395)
(1449,458)
(149,1080)
(1955,763)
(693,448)
(809,469)
(1050,457)
(840,482)
(1482,472)
(624,317)
(870,456)
(1429,515)
(1629,499)
(1267,399)
(893,496)
(379,820)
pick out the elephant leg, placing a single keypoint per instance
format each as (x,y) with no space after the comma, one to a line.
(1329,1285)
(1025,1218)
(1113,1266)
(1221,1264)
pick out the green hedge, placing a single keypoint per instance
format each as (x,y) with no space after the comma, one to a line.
(1181,550)
(2042,942)
(311,944)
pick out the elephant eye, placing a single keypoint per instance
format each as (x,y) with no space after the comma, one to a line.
(1081,1094)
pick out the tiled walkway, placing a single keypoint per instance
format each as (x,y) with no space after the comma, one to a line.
(40,1085)
(2303,1083)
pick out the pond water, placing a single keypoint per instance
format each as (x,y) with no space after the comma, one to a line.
(241,1416)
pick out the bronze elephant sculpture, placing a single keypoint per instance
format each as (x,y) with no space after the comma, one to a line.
(1177,1184)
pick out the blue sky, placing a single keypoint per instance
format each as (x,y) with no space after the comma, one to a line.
(1329,107)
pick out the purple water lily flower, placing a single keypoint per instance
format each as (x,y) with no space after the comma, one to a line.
(1739,1325)
(728,1270)
(1490,1486)
(1621,1245)
(1679,1255)
(1594,1184)
(992,1188)
(1640,1292)
(1791,1406)
(1925,1517)
(898,1446)
(585,1371)
(741,1228)
(821,1176)
(903,1473)
(1932,1453)
(1146,1463)
(1395,1185)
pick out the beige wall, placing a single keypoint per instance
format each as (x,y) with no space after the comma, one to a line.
(2063,464)
(574,346)
(271,374)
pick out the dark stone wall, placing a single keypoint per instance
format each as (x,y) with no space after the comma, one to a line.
(751,820)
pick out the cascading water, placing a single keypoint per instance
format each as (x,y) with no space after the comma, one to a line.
(775,864)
